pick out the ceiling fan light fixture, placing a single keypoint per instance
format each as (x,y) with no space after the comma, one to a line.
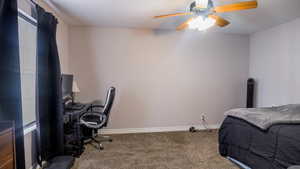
(201,23)
(202,3)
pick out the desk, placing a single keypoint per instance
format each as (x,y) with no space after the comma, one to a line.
(73,130)
(73,137)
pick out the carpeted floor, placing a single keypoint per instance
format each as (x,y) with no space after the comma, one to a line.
(173,150)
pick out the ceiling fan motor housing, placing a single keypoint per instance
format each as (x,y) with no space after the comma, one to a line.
(202,11)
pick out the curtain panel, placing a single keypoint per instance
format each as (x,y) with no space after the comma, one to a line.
(49,92)
(10,76)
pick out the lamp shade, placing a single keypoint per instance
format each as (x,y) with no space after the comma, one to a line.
(75,87)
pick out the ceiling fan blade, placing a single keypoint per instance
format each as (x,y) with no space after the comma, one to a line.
(236,6)
(219,20)
(175,14)
(184,25)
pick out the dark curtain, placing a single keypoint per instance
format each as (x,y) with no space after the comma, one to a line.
(10,77)
(49,93)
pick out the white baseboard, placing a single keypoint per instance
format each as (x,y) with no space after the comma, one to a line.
(156,129)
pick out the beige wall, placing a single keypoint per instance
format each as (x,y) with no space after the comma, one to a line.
(274,63)
(163,78)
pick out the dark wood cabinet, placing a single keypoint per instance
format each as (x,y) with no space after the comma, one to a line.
(7,146)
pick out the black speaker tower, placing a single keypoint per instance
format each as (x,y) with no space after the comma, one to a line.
(250,93)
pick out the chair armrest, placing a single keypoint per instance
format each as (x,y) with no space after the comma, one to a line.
(91,108)
(102,106)
(96,106)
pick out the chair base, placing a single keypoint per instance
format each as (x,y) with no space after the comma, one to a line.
(99,141)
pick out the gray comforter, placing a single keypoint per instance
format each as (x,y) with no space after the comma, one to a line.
(268,116)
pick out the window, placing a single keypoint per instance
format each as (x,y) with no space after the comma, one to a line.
(28,47)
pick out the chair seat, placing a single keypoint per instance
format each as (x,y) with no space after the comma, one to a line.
(93,120)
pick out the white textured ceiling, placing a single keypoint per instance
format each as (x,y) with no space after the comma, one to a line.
(139,13)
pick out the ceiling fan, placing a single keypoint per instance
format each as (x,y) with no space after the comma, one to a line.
(204,16)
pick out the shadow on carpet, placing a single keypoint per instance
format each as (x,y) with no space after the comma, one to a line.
(172,150)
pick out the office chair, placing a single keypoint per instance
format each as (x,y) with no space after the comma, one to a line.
(97,117)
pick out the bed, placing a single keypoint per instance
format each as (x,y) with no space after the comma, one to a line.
(278,147)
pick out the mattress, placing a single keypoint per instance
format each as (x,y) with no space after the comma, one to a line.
(265,117)
(275,148)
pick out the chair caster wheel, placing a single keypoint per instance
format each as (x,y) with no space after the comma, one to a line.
(193,129)
(101,147)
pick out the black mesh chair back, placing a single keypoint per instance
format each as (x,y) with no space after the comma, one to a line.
(109,102)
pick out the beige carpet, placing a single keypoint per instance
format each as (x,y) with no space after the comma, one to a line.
(173,150)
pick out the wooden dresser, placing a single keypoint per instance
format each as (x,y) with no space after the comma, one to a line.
(7,146)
